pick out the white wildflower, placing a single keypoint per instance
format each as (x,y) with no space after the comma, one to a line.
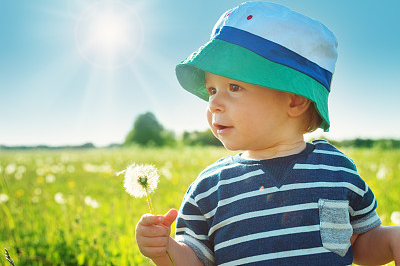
(90,168)
(3,198)
(395,217)
(165,170)
(37,191)
(140,180)
(10,169)
(57,168)
(21,169)
(91,202)
(35,199)
(70,168)
(50,178)
(18,175)
(59,198)
(1,169)
(382,172)
(40,171)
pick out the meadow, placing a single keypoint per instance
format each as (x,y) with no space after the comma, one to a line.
(68,207)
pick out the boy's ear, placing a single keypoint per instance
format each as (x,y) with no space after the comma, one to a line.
(298,105)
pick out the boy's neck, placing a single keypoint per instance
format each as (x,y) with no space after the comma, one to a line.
(275,151)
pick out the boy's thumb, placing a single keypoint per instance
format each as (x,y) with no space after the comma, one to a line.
(170,217)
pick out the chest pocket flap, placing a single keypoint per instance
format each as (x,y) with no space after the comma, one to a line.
(335,227)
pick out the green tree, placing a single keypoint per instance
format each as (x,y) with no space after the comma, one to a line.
(201,138)
(147,131)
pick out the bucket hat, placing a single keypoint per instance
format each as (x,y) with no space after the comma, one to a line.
(268,45)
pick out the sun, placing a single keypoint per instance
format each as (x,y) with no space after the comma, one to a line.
(109,34)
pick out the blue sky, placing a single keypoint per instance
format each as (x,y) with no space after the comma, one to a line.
(57,88)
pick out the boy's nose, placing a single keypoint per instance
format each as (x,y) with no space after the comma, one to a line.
(215,104)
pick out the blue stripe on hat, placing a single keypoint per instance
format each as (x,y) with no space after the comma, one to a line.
(276,53)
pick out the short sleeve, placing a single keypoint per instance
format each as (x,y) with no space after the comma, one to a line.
(192,229)
(363,216)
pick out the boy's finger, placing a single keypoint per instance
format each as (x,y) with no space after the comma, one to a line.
(170,217)
(149,219)
(154,231)
(161,241)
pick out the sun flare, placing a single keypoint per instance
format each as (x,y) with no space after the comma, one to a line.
(109,34)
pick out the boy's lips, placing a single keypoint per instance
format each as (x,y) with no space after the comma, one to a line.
(221,129)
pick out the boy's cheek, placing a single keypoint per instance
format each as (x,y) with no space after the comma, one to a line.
(209,120)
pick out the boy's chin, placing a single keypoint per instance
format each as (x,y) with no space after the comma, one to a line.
(231,146)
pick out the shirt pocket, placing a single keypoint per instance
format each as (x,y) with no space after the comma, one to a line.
(335,227)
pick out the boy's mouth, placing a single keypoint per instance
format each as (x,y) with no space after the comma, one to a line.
(222,128)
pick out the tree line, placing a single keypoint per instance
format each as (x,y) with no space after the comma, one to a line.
(149,132)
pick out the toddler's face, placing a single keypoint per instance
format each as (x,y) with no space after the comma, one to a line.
(244,116)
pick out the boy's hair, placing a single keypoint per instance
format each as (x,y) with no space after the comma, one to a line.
(271,46)
(313,120)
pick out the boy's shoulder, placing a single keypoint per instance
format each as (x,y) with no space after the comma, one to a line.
(218,171)
(328,153)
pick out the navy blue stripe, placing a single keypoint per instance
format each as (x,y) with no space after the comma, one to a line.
(275,53)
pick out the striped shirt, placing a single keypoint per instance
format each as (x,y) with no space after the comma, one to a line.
(237,213)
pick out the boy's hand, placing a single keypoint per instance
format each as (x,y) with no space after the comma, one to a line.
(153,233)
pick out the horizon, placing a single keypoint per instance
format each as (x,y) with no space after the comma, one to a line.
(79,72)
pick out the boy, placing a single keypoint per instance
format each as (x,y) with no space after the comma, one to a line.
(266,74)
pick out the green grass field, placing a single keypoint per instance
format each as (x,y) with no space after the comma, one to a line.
(67,207)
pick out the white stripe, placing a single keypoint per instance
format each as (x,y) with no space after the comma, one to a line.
(335,225)
(369,221)
(292,21)
(254,214)
(362,211)
(240,197)
(331,153)
(263,235)
(334,246)
(347,185)
(204,176)
(192,217)
(214,165)
(324,167)
(266,191)
(226,182)
(187,239)
(187,198)
(191,201)
(282,254)
(334,204)
(191,233)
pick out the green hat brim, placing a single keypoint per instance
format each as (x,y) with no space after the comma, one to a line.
(233,61)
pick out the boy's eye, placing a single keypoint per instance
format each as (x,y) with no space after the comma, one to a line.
(234,87)
(212,91)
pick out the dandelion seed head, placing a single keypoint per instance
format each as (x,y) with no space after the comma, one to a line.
(40,171)
(35,199)
(70,168)
(395,217)
(10,169)
(140,179)
(50,178)
(89,201)
(37,191)
(3,198)
(59,198)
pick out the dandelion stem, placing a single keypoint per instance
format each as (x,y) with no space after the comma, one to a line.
(152,212)
(170,257)
(149,202)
